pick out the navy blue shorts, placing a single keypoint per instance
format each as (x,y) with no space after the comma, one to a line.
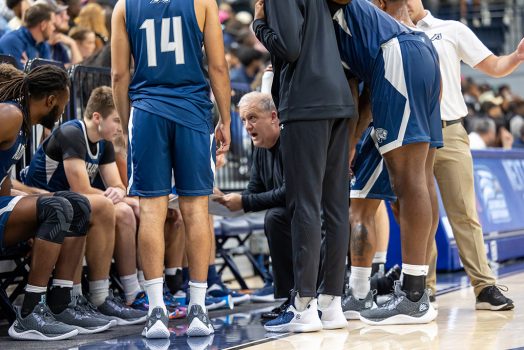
(371,178)
(7,205)
(160,149)
(405,94)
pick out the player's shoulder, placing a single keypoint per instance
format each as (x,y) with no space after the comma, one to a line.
(11,119)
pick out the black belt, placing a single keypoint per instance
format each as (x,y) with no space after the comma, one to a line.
(446,123)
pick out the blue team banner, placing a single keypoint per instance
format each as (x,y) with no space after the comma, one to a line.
(499,187)
(499,190)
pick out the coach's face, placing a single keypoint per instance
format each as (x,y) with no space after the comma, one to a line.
(262,126)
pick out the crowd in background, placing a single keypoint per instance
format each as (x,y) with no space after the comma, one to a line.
(82,29)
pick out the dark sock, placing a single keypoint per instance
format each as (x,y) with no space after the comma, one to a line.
(175,282)
(376,267)
(30,301)
(414,286)
(212,275)
(59,298)
(185,274)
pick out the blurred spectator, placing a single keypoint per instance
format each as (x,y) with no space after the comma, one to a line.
(92,16)
(85,40)
(516,118)
(63,48)
(19,7)
(73,9)
(484,134)
(519,141)
(252,62)
(30,41)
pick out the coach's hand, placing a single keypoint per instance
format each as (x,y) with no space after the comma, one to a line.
(233,201)
(259,10)
(223,137)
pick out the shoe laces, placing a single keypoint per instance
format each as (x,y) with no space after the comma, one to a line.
(395,297)
(502,288)
(43,311)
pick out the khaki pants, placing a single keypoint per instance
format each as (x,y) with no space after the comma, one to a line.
(454,173)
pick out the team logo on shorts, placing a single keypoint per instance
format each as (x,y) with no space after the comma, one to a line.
(159,1)
(382,134)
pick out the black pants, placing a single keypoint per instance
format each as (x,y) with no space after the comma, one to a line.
(277,226)
(316,171)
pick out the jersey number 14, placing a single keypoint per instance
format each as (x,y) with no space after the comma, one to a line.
(176,46)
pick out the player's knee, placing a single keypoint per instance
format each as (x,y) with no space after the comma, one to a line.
(54,215)
(102,209)
(124,215)
(81,213)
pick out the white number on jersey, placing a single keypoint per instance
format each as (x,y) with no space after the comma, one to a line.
(176,46)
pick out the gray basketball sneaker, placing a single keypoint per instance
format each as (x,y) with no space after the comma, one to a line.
(353,306)
(199,324)
(81,319)
(156,325)
(87,306)
(40,325)
(124,315)
(400,310)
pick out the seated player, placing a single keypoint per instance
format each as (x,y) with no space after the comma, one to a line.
(70,159)
(57,223)
(401,70)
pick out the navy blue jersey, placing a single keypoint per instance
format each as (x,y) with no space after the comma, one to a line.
(11,156)
(169,79)
(68,141)
(362,29)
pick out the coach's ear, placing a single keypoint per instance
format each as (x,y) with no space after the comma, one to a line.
(341,2)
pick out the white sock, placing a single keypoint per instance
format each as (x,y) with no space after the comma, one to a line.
(380,257)
(35,289)
(301,302)
(98,291)
(77,289)
(141,279)
(155,293)
(131,287)
(171,271)
(197,294)
(325,300)
(62,283)
(359,281)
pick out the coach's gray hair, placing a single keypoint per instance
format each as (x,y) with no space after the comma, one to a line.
(263,101)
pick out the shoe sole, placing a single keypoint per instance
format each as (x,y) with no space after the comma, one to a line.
(198,329)
(157,331)
(295,328)
(36,335)
(124,322)
(488,306)
(352,315)
(404,319)
(216,306)
(336,324)
(82,330)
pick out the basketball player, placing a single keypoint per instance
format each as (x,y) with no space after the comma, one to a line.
(387,56)
(171,129)
(58,223)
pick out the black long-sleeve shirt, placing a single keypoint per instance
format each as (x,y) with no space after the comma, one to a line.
(266,188)
(300,36)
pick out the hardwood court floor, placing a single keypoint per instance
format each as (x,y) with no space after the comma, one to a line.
(458,326)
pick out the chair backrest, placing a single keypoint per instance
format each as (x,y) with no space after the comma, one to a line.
(8,59)
(84,80)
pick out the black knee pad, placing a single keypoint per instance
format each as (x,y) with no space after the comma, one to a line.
(54,215)
(81,213)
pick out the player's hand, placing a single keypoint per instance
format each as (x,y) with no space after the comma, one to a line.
(233,201)
(220,161)
(223,137)
(259,10)
(520,50)
(216,191)
(116,194)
